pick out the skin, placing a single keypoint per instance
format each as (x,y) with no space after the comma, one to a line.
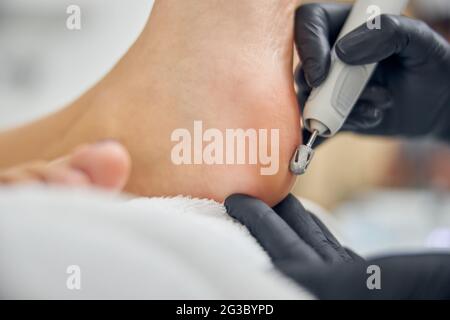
(105,165)
(227,63)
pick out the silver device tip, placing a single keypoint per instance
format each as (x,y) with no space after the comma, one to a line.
(303,156)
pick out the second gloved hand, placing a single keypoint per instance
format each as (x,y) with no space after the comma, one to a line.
(299,244)
(302,247)
(409,93)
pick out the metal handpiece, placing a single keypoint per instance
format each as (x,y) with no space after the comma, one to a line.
(303,156)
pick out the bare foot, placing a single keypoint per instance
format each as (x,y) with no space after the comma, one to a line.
(105,165)
(225,63)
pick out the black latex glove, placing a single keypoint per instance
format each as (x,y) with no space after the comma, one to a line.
(303,249)
(298,243)
(409,93)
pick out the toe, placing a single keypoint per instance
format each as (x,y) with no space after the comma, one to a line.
(106,163)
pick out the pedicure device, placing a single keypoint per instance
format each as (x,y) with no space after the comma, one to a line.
(330,104)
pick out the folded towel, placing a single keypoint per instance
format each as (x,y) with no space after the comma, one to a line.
(84,244)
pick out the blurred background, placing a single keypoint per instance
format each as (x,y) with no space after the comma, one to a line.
(384,194)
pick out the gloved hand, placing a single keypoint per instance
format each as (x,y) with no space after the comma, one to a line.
(409,93)
(303,249)
(298,243)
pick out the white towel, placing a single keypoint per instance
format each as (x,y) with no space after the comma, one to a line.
(146,248)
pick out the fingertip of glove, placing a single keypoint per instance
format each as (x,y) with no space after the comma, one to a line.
(349,47)
(245,208)
(234,201)
(341,50)
(314,72)
(314,80)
